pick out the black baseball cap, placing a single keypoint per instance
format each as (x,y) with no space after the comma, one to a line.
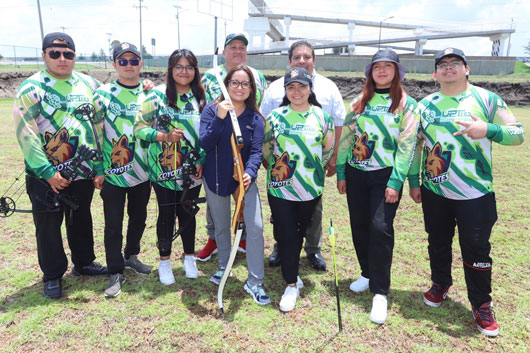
(47,42)
(234,36)
(123,48)
(385,55)
(449,52)
(297,74)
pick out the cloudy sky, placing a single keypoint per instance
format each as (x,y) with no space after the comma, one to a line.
(89,21)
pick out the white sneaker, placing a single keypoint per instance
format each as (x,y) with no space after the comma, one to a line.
(379,305)
(299,283)
(289,297)
(190,267)
(165,273)
(360,285)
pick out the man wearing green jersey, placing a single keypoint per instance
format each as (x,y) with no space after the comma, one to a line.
(235,53)
(53,118)
(457,128)
(125,166)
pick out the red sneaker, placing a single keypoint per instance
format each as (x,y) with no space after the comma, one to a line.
(435,295)
(242,246)
(485,319)
(209,249)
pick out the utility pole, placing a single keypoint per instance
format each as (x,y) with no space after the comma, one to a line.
(40,21)
(140,8)
(110,55)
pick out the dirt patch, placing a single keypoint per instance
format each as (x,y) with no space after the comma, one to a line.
(512,93)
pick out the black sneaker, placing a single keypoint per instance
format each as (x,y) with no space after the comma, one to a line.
(53,288)
(317,261)
(93,269)
(274,259)
(114,286)
(136,265)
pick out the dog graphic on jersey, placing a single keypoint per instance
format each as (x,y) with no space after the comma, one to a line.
(60,147)
(362,148)
(122,152)
(283,168)
(170,159)
(436,163)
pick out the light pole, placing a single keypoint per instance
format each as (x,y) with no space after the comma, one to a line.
(110,55)
(380,25)
(178,7)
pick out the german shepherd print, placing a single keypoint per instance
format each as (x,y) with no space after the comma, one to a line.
(362,149)
(437,163)
(122,152)
(282,171)
(60,147)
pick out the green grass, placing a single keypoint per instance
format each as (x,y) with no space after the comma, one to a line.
(149,317)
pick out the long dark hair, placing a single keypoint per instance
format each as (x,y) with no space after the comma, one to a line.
(312,99)
(251,99)
(396,93)
(196,87)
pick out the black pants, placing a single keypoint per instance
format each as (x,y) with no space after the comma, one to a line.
(372,224)
(169,207)
(113,206)
(52,258)
(291,219)
(475,219)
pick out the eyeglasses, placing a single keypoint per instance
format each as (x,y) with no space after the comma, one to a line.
(453,64)
(236,84)
(55,54)
(180,68)
(133,62)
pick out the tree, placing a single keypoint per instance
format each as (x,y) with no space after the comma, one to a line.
(145,54)
(1,56)
(527,48)
(94,56)
(102,55)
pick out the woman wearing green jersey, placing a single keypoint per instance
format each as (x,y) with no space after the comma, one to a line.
(375,151)
(299,140)
(169,119)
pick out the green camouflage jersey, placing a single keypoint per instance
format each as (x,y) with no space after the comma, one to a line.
(296,147)
(52,119)
(165,159)
(378,139)
(124,157)
(459,167)
(213,91)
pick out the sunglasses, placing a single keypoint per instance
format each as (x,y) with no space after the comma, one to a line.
(55,54)
(133,62)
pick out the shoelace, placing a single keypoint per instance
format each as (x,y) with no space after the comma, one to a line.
(436,289)
(486,314)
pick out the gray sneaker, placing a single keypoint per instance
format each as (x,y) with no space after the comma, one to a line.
(258,293)
(114,287)
(137,266)
(218,276)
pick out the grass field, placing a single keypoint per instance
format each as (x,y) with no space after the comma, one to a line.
(150,317)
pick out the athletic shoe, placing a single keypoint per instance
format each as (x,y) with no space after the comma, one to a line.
(258,294)
(217,276)
(299,283)
(92,269)
(209,249)
(165,273)
(53,288)
(114,286)
(485,319)
(289,297)
(379,307)
(190,267)
(274,259)
(435,295)
(137,266)
(360,285)
(242,246)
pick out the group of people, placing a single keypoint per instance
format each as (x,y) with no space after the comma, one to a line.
(176,137)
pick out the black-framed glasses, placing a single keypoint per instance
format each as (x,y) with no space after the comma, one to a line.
(453,64)
(180,68)
(133,62)
(236,84)
(55,54)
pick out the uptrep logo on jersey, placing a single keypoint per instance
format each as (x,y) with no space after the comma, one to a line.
(60,147)
(171,159)
(53,100)
(282,171)
(121,156)
(362,150)
(437,164)
(428,115)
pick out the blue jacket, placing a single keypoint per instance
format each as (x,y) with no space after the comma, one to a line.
(215,133)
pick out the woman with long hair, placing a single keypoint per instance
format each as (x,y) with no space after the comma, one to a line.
(169,121)
(219,184)
(299,141)
(375,152)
